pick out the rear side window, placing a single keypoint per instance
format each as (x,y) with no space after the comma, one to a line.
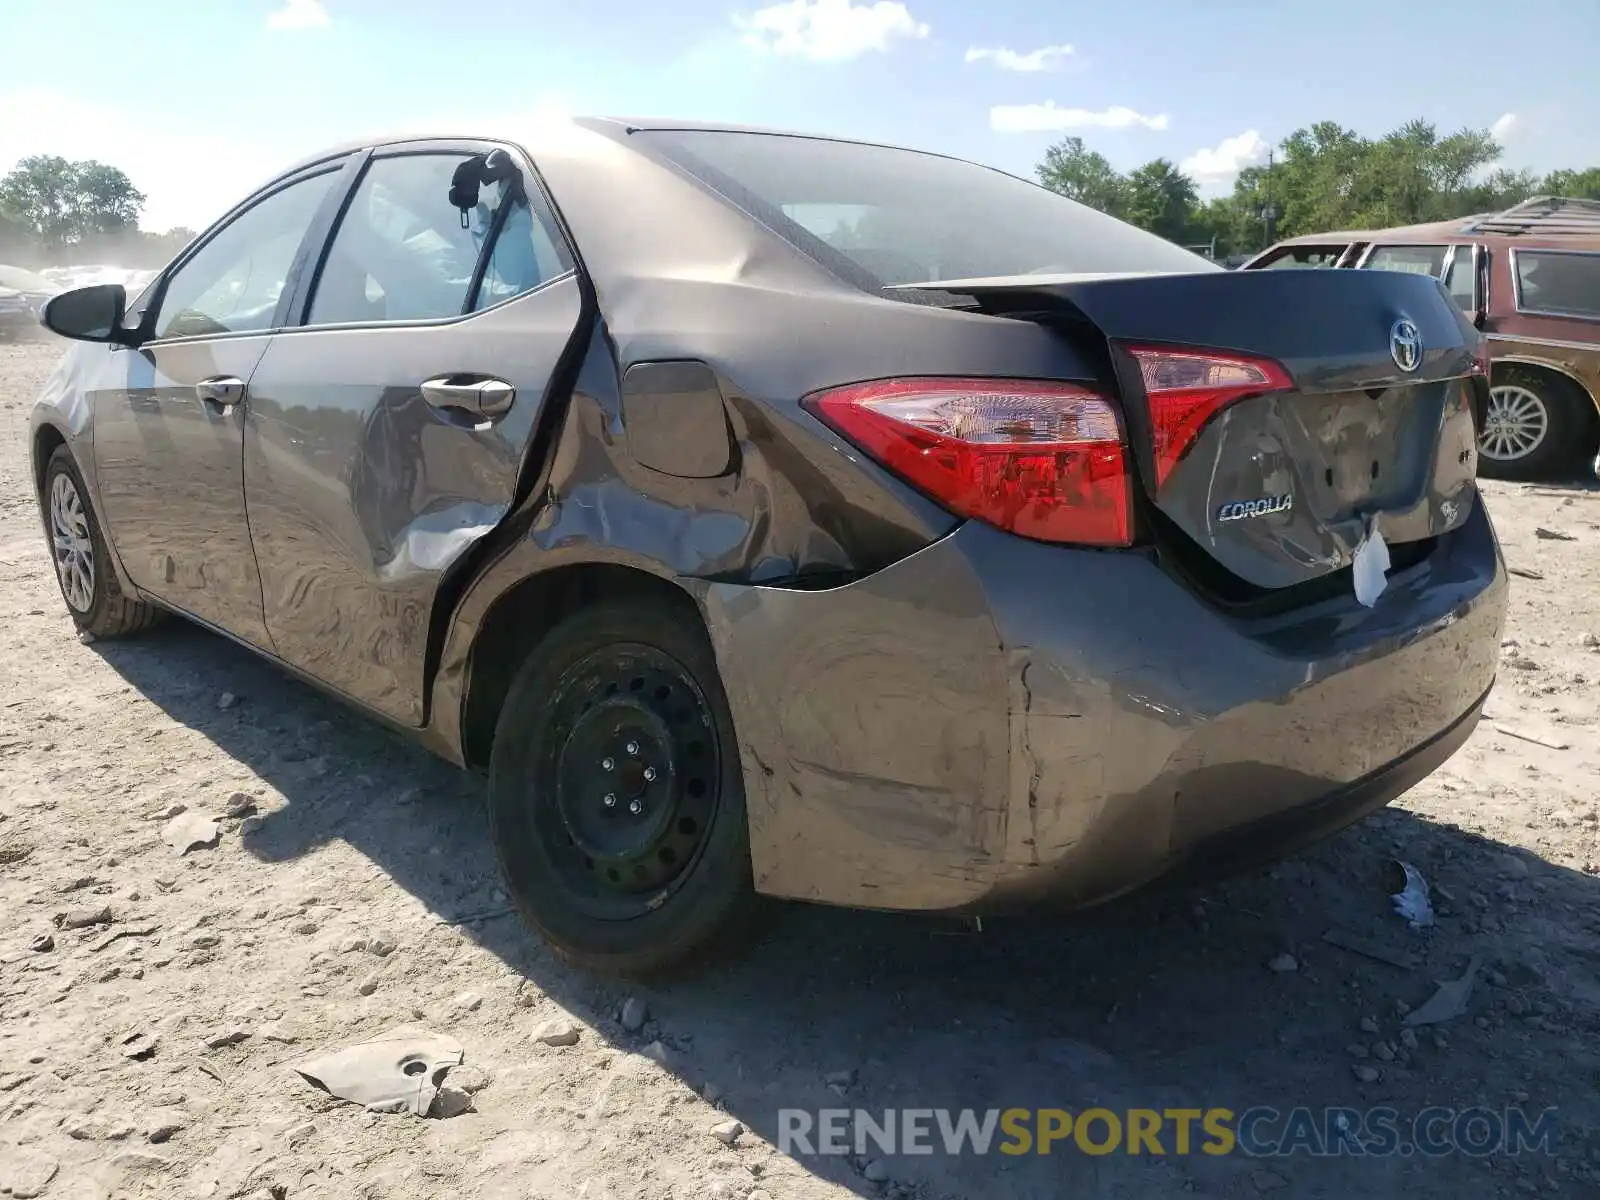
(1414,260)
(899,216)
(402,253)
(525,255)
(1558,283)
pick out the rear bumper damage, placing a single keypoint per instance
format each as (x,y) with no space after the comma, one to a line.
(994,722)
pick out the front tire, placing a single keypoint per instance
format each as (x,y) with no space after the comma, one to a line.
(82,559)
(1538,426)
(616,796)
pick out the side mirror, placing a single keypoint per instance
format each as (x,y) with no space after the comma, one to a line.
(87,314)
(1480,318)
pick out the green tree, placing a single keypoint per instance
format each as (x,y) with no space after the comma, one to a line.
(1162,199)
(1083,175)
(1326,178)
(64,203)
(161,248)
(1577,185)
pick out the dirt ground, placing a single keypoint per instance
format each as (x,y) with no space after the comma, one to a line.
(362,894)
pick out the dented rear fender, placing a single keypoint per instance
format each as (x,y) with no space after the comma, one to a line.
(689,478)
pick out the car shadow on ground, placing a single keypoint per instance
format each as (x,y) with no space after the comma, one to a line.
(1162,1000)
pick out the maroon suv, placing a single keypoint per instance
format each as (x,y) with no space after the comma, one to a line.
(1530,278)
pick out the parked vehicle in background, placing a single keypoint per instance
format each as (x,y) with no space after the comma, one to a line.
(17,317)
(34,288)
(809,538)
(88,274)
(1530,279)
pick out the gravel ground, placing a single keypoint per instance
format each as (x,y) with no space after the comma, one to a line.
(360,893)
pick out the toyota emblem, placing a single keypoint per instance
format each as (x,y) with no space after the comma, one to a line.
(1405,344)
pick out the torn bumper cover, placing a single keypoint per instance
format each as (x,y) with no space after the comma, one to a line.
(994,721)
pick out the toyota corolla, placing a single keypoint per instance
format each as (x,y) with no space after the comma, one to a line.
(778,515)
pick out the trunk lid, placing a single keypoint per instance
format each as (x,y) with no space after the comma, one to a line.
(1280,484)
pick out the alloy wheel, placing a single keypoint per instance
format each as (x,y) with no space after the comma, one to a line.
(1516,423)
(69,536)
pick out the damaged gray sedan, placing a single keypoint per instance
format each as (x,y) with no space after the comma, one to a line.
(770,514)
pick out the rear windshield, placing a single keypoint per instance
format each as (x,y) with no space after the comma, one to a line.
(899,216)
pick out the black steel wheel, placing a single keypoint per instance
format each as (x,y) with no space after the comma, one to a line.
(635,777)
(615,792)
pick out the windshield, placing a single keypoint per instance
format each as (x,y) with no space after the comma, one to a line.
(901,216)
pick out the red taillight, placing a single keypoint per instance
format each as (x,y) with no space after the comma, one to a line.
(1188,387)
(1041,459)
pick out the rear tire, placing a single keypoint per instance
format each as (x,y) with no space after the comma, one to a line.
(94,599)
(1538,426)
(616,796)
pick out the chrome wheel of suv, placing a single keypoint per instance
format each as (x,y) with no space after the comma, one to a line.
(1515,424)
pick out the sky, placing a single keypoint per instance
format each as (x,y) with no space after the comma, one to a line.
(201,100)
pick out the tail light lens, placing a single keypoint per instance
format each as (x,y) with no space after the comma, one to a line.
(1041,459)
(1188,387)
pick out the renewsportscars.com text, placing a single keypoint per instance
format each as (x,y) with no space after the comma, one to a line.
(1260,1132)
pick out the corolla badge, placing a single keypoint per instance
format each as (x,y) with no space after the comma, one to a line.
(1239,510)
(1405,344)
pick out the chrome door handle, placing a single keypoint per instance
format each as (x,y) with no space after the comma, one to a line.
(223,390)
(472,393)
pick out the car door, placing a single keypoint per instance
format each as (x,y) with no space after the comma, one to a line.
(168,440)
(385,434)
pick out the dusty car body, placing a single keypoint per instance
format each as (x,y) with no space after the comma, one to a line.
(1530,278)
(1127,661)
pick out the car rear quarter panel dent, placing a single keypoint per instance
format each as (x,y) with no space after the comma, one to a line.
(872,724)
(789,510)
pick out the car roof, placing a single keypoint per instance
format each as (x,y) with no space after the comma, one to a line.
(1543,222)
(1405,233)
(532,133)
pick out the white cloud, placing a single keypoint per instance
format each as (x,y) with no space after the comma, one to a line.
(1042,59)
(828,30)
(1047,118)
(1505,127)
(1219,164)
(299,14)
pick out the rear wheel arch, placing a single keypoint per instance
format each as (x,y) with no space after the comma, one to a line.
(1547,370)
(522,615)
(1573,413)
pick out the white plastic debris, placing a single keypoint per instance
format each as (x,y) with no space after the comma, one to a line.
(1449,1001)
(401,1070)
(191,831)
(1370,567)
(1412,901)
